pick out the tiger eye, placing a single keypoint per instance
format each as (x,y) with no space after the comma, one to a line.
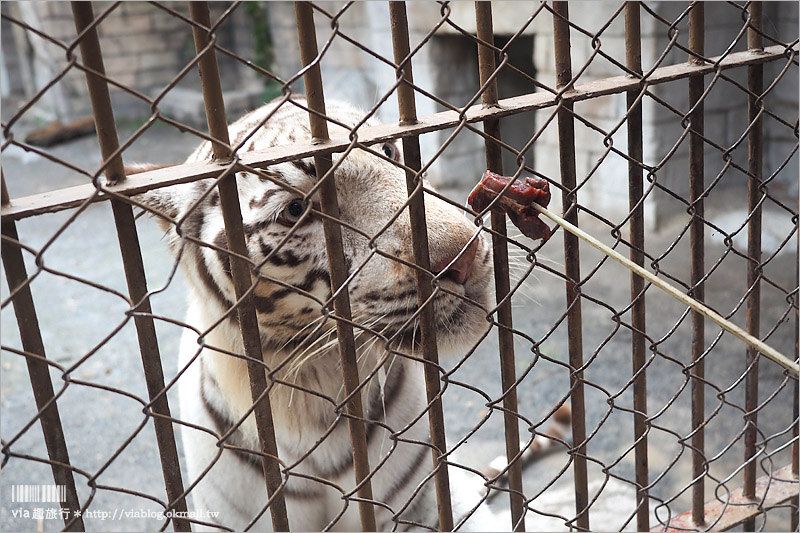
(292,212)
(390,151)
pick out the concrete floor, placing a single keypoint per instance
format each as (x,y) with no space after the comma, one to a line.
(76,319)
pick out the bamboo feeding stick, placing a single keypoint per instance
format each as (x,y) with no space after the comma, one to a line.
(725,324)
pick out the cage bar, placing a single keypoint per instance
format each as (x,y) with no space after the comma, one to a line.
(633,60)
(5,199)
(795,511)
(755,84)
(329,205)
(212,88)
(775,493)
(419,242)
(697,257)
(795,502)
(240,269)
(734,508)
(39,372)
(572,265)
(132,262)
(494,162)
(70,197)
(97,85)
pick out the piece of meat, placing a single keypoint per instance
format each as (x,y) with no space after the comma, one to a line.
(515,202)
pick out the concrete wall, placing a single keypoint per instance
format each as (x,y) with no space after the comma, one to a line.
(726,119)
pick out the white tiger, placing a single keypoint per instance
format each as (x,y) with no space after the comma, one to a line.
(214,391)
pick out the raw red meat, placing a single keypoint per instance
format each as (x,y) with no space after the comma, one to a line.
(515,202)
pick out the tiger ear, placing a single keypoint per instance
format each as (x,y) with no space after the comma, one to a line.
(138,168)
(163,203)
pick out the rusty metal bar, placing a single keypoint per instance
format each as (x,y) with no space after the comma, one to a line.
(240,269)
(755,83)
(494,162)
(133,264)
(151,358)
(633,60)
(419,241)
(210,84)
(795,512)
(70,197)
(697,258)
(98,92)
(39,373)
(572,265)
(6,199)
(730,511)
(398,21)
(307,37)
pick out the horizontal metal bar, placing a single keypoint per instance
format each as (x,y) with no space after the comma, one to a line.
(770,491)
(67,198)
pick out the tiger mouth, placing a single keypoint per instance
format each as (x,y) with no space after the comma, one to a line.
(457,310)
(452,319)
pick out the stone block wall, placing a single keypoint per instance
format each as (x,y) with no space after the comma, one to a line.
(726,119)
(144,49)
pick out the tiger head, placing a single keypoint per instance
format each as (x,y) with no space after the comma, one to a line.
(283,226)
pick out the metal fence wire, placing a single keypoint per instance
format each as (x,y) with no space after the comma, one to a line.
(667,131)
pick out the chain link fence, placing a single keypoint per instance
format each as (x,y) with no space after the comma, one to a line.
(667,131)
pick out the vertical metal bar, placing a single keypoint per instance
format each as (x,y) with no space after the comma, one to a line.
(795,512)
(398,20)
(4,199)
(132,263)
(755,84)
(240,269)
(151,359)
(39,373)
(795,503)
(697,259)
(566,157)
(633,60)
(329,204)
(98,91)
(209,77)
(419,242)
(494,162)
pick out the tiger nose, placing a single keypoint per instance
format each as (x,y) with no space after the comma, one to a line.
(461,266)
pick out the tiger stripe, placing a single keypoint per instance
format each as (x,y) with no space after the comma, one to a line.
(291,297)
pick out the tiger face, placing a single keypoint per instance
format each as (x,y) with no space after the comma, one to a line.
(285,239)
